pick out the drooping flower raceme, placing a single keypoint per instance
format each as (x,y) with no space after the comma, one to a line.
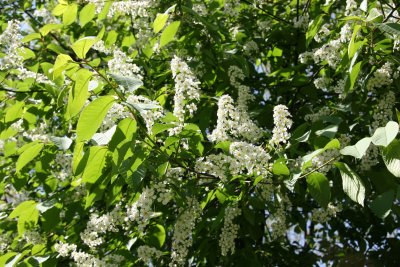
(282,124)
(10,40)
(229,230)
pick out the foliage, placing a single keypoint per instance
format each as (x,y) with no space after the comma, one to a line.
(199,133)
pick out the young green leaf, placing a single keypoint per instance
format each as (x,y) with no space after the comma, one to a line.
(318,186)
(82,46)
(79,93)
(169,33)
(353,186)
(382,204)
(28,155)
(160,22)
(87,14)
(92,116)
(70,14)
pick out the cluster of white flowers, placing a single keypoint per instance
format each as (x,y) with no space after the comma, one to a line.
(322,83)
(101,47)
(182,238)
(277,223)
(383,110)
(230,8)
(306,57)
(322,33)
(322,215)
(340,87)
(165,194)
(146,253)
(10,40)
(64,249)
(38,133)
(122,65)
(221,166)
(345,33)
(133,8)
(266,191)
(370,159)
(324,111)
(39,78)
(187,91)
(250,47)
(229,230)
(382,77)
(253,158)
(45,15)
(200,8)
(101,225)
(149,115)
(282,124)
(301,22)
(352,8)
(114,114)
(321,161)
(64,165)
(235,122)
(141,210)
(5,242)
(329,52)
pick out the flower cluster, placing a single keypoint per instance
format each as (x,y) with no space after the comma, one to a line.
(370,159)
(64,249)
(229,230)
(324,111)
(146,253)
(182,237)
(101,225)
(122,65)
(10,40)
(322,33)
(64,164)
(382,77)
(329,52)
(383,110)
(282,124)
(301,22)
(253,158)
(324,160)
(321,215)
(187,90)
(114,114)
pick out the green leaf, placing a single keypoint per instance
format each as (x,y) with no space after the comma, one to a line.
(358,150)
(382,204)
(27,214)
(31,37)
(279,167)
(352,49)
(160,22)
(374,13)
(391,157)
(314,28)
(169,33)
(82,46)
(129,83)
(355,70)
(92,116)
(87,14)
(60,65)
(49,27)
(70,14)
(155,235)
(95,164)
(353,186)
(79,93)
(15,112)
(329,131)
(392,28)
(383,136)
(318,186)
(28,155)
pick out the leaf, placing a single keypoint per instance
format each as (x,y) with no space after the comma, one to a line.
(169,33)
(355,70)
(61,142)
(82,46)
(392,28)
(102,139)
(87,13)
(314,28)
(352,184)
(382,204)
(30,37)
(358,150)
(374,13)
(27,213)
(70,14)
(383,136)
(391,157)
(92,116)
(160,22)
(49,27)
(352,49)
(279,167)
(129,83)
(28,155)
(318,186)
(15,112)
(61,63)
(79,93)
(95,164)
(329,131)
(156,235)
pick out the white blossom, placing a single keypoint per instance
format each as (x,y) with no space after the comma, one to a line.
(282,124)
(229,230)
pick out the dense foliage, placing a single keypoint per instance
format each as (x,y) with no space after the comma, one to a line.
(199,133)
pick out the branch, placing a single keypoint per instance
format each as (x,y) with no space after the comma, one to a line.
(267,13)
(319,167)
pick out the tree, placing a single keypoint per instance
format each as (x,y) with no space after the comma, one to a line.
(199,133)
